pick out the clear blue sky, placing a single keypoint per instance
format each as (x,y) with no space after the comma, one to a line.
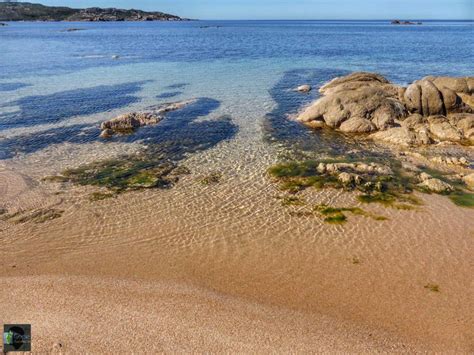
(292,9)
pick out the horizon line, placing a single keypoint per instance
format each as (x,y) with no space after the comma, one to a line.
(338,19)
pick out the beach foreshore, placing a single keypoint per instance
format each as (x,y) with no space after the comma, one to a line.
(255,245)
(106,277)
(97,315)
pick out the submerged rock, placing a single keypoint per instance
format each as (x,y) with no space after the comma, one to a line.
(73,29)
(347,179)
(431,110)
(462,161)
(303,88)
(129,122)
(436,185)
(469,180)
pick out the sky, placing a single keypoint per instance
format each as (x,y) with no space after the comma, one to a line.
(292,9)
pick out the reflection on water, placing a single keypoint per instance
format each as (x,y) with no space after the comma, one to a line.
(12,86)
(175,136)
(53,108)
(177,86)
(180,134)
(169,94)
(32,142)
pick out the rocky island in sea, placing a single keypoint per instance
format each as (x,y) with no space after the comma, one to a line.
(399,22)
(25,11)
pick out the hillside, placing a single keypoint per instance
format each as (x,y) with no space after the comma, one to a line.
(36,12)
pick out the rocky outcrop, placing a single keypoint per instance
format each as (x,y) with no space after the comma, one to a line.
(357,125)
(303,88)
(23,11)
(437,96)
(129,122)
(430,110)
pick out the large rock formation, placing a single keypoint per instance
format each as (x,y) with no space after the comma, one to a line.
(430,110)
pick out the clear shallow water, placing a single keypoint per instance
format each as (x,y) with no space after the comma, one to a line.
(234,236)
(56,86)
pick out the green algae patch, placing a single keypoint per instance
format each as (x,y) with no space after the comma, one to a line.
(403,206)
(336,215)
(432,287)
(100,196)
(55,178)
(391,200)
(297,176)
(37,216)
(144,179)
(211,179)
(383,198)
(292,201)
(293,169)
(301,213)
(336,218)
(122,175)
(462,199)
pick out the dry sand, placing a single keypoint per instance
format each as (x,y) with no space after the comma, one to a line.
(86,314)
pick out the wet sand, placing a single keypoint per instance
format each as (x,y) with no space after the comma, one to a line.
(209,269)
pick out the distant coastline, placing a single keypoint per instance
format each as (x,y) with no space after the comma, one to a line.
(25,11)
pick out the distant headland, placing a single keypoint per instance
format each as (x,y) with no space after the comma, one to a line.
(24,11)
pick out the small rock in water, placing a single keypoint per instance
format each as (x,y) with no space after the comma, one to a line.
(436,185)
(424,176)
(345,178)
(115,56)
(129,122)
(107,133)
(469,180)
(73,29)
(304,88)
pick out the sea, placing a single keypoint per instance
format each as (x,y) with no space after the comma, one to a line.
(58,81)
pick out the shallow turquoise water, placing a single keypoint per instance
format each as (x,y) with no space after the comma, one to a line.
(56,86)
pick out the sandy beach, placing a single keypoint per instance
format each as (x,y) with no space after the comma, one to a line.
(243,265)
